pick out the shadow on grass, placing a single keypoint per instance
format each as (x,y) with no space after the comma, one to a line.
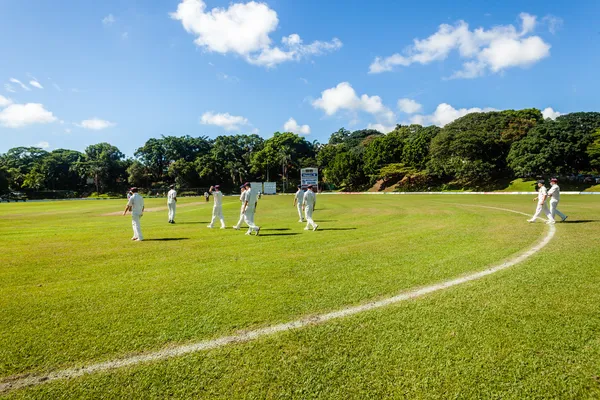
(274,229)
(579,221)
(326,220)
(189,223)
(336,229)
(279,234)
(164,239)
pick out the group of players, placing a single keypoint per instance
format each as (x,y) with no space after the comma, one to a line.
(304,201)
(543,195)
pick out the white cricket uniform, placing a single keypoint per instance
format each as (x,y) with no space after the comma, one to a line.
(239,223)
(250,197)
(555,193)
(217,209)
(137,205)
(172,204)
(541,206)
(309,206)
(299,200)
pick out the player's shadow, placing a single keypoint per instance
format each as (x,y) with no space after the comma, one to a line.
(326,220)
(274,229)
(580,221)
(192,222)
(279,234)
(336,229)
(164,239)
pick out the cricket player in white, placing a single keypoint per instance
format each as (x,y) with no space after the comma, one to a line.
(309,205)
(554,194)
(298,201)
(136,206)
(249,209)
(242,199)
(541,199)
(172,203)
(217,207)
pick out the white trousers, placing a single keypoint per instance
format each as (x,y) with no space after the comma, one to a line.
(217,213)
(249,219)
(172,207)
(299,206)
(554,210)
(308,213)
(541,207)
(137,227)
(239,223)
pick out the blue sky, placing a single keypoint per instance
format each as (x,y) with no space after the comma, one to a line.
(123,71)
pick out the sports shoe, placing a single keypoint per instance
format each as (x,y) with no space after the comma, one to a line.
(550,222)
(222,227)
(237,228)
(530,220)
(300,220)
(209,226)
(257,230)
(248,233)
(315,228)
(307,228)
(565,218)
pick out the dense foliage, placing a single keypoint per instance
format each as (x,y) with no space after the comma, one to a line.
(472,152)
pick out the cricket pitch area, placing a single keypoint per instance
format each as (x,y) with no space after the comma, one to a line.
(76,293)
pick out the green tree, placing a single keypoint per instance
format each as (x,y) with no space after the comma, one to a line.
(104,163)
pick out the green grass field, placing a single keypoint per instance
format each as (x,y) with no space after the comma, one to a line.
(74,290)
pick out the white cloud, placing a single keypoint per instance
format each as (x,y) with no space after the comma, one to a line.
(18,82)
(95,124)
(5,101)
(344,98)
(550,113)
(409,106)
(36,84)
(9,88)
(553,23)
(381,127)
(444,114)
(292,126)
(494,50)
(43,145)
(108,20)
(18,115)
(244,29)
(224,120)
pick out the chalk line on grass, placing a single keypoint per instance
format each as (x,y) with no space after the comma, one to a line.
(22,381)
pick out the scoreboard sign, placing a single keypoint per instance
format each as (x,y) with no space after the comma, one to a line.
(270,187)
(309,176)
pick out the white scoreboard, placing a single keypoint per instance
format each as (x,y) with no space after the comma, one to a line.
(270,187)
(309,176)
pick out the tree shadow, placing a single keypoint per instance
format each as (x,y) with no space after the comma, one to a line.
(279,234)
(164,239)
(336,229)
(579,221)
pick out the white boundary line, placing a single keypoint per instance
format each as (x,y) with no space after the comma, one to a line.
(22,381)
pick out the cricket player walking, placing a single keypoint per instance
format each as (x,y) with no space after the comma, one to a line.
(242,199)
(298,201)
(249,209)
(554,194)
(172,203)
(309,205)
(217,207)
(541,205)
(136,206)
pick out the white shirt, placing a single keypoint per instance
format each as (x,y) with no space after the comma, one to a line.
(309,198)
(300,196)
(218,196)
(542,192)
(171,196)
(555,192)
(137,204)
(250,197)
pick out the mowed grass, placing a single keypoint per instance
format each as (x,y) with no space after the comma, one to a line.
(75,290)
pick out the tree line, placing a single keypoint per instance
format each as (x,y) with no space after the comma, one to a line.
(477,151)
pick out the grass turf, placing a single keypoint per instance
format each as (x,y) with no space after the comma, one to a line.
(75,290)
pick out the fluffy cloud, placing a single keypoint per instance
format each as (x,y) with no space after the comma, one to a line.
(244,29)
(108,20)
(18,115)
(444,114)
(292,126)
(494,50)
(550,113)
(224,120)
(18,82)
(43,145)
(4,101)
(344,98)
(95,124)
(409,106)
(381,127)
(36,84)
